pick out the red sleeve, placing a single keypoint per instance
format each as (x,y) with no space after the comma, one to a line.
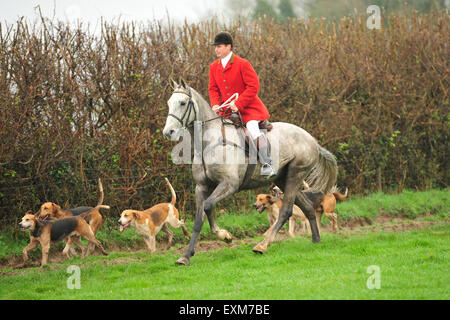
(214,93)
(251,83)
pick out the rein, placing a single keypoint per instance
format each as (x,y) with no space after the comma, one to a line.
(184,123)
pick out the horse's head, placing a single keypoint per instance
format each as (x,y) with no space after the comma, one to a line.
(182,111)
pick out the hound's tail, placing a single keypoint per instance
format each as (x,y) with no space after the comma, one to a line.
(339,196)
(323,175)
(102,195)
(174,196)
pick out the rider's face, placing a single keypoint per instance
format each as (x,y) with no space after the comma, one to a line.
(222,50)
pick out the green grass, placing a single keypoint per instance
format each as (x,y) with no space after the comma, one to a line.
(408,203)
(413,265)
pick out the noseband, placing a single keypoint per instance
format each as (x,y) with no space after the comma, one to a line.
(184,123)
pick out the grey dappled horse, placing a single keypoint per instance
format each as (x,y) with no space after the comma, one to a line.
(296,155)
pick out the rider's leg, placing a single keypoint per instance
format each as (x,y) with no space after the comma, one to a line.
(263,147)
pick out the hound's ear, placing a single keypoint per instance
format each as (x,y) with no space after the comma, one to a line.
(38,221)
(269,198)
(135,214)
(55,207)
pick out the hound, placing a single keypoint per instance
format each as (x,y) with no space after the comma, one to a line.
(46,232)
(52,211)
(323,203)
(149,222)
(272,205)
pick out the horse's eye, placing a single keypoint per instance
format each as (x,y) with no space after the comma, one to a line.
(183,103)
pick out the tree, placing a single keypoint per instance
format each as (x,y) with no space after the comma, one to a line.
(235,8)
(262,8)
(340,8)
(286,10)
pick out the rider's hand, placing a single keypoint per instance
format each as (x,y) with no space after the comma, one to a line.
(214,108)
(233,107)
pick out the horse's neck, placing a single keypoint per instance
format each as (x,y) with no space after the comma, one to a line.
(205,112)
(211,124)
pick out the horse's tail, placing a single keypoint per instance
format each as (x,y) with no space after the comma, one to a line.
(323,175)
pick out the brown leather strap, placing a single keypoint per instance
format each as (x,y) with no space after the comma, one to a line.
(265,125)
(224,138)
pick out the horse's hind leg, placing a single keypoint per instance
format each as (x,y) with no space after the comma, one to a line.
(308,209)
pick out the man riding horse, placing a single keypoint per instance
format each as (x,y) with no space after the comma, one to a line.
(298,155)
(232,74)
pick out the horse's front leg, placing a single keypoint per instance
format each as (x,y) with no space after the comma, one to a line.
(285,214)
(201,193)
(223,190)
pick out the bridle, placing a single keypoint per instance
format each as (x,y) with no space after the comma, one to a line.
(187,113)
(184,123)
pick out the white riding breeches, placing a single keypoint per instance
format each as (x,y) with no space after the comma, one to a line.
(253,127)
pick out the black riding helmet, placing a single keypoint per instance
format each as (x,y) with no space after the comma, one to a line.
(223,38)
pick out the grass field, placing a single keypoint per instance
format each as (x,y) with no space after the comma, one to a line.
(412,264)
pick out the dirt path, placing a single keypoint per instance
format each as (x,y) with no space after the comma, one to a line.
(353,227)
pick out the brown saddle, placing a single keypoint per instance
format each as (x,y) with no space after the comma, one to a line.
(237,121)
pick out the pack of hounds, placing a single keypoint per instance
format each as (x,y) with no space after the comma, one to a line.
(52,224)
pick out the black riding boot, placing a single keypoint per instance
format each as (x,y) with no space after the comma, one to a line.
(264,156)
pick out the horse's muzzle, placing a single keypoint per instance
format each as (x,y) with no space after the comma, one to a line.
(172,134)
(168,133)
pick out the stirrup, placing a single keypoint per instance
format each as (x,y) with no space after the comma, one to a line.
(267,170)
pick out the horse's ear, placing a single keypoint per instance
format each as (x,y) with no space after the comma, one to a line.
(183,82)
(173,83)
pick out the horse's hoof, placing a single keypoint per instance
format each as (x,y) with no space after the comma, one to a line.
(259,248)
(224,235)
(183,261)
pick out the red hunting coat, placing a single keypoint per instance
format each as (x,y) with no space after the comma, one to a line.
(237,76)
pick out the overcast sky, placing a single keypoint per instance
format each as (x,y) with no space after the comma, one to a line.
(127,10)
